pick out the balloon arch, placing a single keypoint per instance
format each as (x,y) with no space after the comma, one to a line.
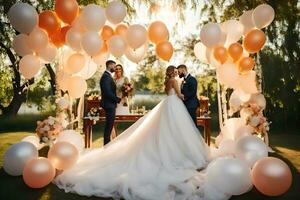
(80,41)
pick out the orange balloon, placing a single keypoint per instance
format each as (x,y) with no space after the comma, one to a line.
(49,21)
(107,32)
(271,176)
(66,10)
(63,32)
(58,38)
(220,53)
(158,32)
(246,64)
(164,50)
(121,29)
(104,48)
(235,51)
(254,41)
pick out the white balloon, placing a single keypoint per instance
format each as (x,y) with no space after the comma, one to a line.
(73,38)
(247,21)
(258,99)
(233,30)
(227,147)
(23,17)
(243,131)
(228,74)
(231,126)
(91,43)
(38,39)
(115,12)
(136,36)
(250,149)
(263,15)
(49,53)
(200,52)
(247,82)
(211,34)
(93,17)
(136,55)
(33,139)
(229,175)
(72,137)
(116,46)
(20,45)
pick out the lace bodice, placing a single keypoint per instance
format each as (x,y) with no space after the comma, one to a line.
(171,92)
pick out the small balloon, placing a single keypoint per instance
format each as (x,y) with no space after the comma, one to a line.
(220,54)
(93,17)
(75,63)
(48,54)
(106,32)
(20,45)
(247,21)
(200,52)
(254,41)
(91,43)
(263,15)
(16,157)
(66,10)
(136,55)
(164,50)
(49,21)
(246,64)
(38,39)
(38,173)
(29,66)
(121,30)
(235,51)
(271,176)
(115,12)
(233,30)
(63,155)
(116,46)
(73,39)
(136,36)
(158,32)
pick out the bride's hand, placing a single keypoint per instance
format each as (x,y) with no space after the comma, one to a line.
(181,96)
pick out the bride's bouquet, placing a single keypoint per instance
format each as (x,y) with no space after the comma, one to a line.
(48,129)
(127,91)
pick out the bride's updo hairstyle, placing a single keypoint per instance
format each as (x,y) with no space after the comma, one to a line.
(170,72)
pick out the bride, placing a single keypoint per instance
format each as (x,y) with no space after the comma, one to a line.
(154,159)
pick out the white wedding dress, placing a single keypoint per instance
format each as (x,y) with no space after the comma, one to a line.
(155,159)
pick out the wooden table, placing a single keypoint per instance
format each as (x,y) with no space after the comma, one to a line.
(88,124)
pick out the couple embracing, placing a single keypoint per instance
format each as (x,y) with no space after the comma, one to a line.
(155,157)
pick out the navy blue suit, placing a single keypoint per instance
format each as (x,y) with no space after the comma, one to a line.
(108,102)
(189,90)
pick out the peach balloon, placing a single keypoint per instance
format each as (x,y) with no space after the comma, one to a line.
(63,32)
(75,63)
(247,21)
(93,17)
(49,21)
(38,39)
(158,32)
(63,155)
(29,66)
(116,46)
(20,45)
(38,173)
(91,43)
(164,50)
(246,64)
(136,36)
(235,51)
(66,10)
(220,53)
(106,32)
(271,176)
(254,41)
(263,15)
(77,86)
(121,30)
(48,54)
(247,82)
(73,39)
(115,12)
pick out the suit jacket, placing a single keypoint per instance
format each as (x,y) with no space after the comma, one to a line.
(109,97)
(189,90)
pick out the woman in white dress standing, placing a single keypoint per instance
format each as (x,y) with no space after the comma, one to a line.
(157,158)
(121,79)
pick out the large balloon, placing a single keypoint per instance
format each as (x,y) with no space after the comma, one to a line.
(38,173)
(116,46)
(63,155)
(229,175)
(93,17)
(200,52)
(73,39)
(29,66)
(49,21)
(263,15)
(233,30)
(220,54)
(106,32)
(23,17)
(250,149)
(164,50)
(16,157)
(210,34)
(235,51)
(75,63)
(91,43)
(66,10)
(136,36)
(77,86)
(271,176)
(254,41)
(228,74)
(247,21)
(136,55)
(20,45)
(246,64)
(72,137)
(158,32)
(48,54)
(38,39)
(115,12)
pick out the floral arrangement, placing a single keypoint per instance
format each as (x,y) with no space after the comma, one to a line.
(127,91)
(49,129)
(93,96)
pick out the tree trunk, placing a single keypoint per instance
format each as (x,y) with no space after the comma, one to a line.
(52,79)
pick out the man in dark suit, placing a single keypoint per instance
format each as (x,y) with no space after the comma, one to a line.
(109,98)
(189,90)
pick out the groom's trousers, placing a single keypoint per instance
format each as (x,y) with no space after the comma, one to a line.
(193,113)
(110,114)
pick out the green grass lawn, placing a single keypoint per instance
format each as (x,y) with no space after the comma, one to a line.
(287,147)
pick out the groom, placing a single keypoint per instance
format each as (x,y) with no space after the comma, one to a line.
(189,90)
(109,98)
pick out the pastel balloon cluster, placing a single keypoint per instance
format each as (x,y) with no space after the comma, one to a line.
(220,46)
(22,158)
